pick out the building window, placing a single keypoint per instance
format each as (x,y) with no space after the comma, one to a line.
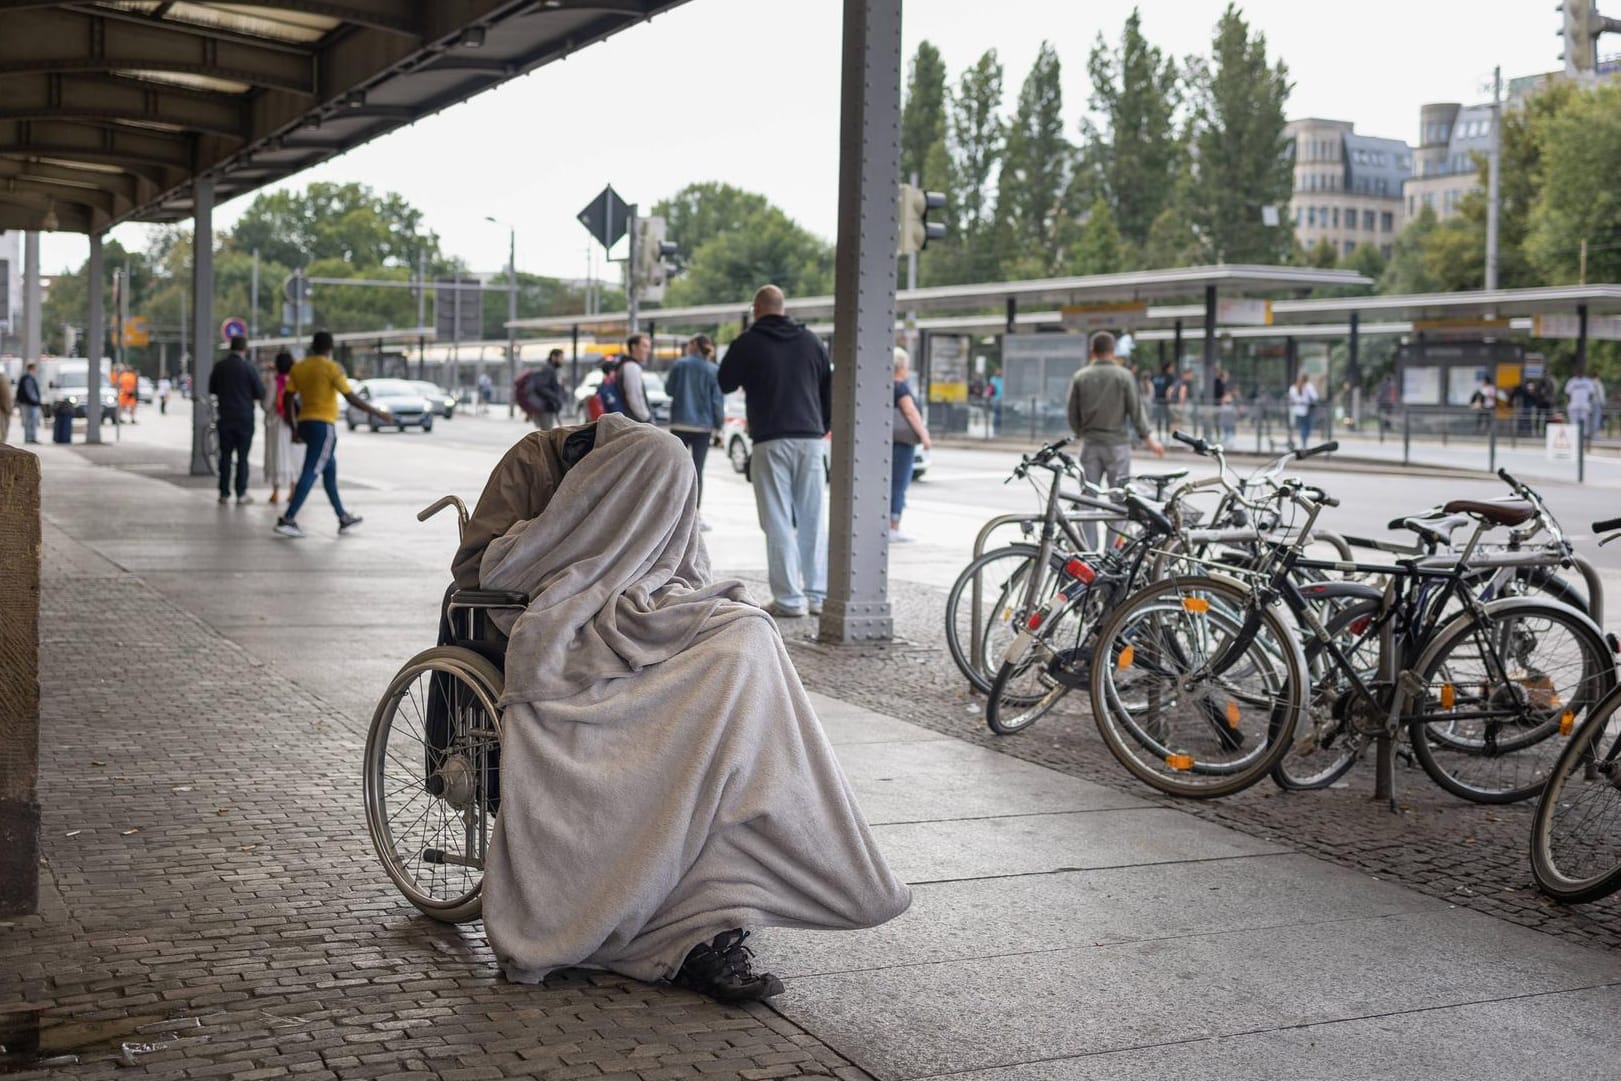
(1350,246)
(1350,218)
(1336,217)
(1367,216)
(1311,216)
(1322,216)
(1384,252)
(1387,222)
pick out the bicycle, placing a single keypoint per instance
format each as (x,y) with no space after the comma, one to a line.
(1576,831)
(211,437)
(1195,662)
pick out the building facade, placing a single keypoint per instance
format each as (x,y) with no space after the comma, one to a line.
(1348,187)
(1446,169)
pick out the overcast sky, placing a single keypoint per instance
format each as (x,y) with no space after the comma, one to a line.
(746,91)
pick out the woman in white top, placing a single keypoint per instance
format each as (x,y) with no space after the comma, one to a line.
(1302,396)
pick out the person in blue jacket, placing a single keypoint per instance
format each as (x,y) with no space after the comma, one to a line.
(697,407)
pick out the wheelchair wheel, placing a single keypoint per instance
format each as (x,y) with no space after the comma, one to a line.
(432,780)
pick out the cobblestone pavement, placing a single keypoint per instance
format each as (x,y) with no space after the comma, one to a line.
(208,874)
(1468,854)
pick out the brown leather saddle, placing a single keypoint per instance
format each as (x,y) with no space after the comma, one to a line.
(1509,513)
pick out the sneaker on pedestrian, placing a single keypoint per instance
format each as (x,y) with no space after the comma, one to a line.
(897,537)
(724,971)
(814,606)
(225,497)
(288,528)
(782,611)
(347,521)
(241,499)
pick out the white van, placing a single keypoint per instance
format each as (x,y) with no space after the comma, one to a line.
(68,379)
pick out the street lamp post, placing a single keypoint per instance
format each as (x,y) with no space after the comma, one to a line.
(512,309)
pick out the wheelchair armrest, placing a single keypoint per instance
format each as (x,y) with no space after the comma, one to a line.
(488,598)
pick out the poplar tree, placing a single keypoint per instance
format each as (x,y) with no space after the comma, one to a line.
(1035,173)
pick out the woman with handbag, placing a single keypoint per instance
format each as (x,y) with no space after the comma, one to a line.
(279,465)
(907,432)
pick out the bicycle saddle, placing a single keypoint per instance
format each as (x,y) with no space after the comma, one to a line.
(1160,481)
(1504,514)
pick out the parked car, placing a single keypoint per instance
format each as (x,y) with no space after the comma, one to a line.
(399,397)
(66,383)
(658,399)
(739,447)
(440,401)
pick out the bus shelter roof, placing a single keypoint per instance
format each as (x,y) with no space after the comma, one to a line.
(1098,288)
(110,109)
(1600,299)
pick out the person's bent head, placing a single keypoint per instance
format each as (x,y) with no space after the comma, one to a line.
(903,363)
(284,362)
(321,344)
(1103,345)
(768,300)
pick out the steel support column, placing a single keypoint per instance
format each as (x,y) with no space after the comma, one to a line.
(1581,339)
(95,333)
(857,608)
(202,315)
(33,338)
(1177,349)
(1210,342)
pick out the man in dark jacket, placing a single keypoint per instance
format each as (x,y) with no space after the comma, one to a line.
(542,398)
(236,389)
(788,382)
(28,398)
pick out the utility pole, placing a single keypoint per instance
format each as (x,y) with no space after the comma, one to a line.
(253,315)
(1494,185)
(630,274)
(512,313)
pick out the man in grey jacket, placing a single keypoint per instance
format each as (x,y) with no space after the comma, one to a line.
(1104,408)
(631,385)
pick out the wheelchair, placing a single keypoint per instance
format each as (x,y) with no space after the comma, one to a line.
(433,754)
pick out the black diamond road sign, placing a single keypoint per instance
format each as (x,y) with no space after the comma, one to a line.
(607,218)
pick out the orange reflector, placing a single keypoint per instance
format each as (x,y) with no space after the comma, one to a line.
(1195,604)
(1449,696)
(1232,714)
(1183,762)
(1567,721)
(1127,655)
(1007,614)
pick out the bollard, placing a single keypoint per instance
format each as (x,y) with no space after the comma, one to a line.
(1491,445)
(1406,436)
(1581,452)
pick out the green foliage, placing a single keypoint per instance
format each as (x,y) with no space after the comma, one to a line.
(347,222)
(765,246)
(699,213)
(1366,260)
(1034,174)
(1239,100)
(1132,153)
(1408,270)
(1099,249)
(923,118)
(1581,159)
(1322,256)
(978,142)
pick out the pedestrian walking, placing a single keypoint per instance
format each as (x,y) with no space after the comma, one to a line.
(906,433)
(279,421)
(1163,385)
(129,385)
(6,406)
(1581,390)
(787,379)
(1302,399)
(631,384)
(697,407)
(486,392)
(1104,408)
(29,401)
(539,392)
(1484,402)
(165,388)
(236,388)
(319,381)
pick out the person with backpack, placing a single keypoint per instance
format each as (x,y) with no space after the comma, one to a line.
(539,392)
(608,398)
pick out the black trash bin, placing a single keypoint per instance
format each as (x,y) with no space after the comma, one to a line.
(62,423)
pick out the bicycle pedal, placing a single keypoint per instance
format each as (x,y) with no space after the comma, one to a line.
(1412,684)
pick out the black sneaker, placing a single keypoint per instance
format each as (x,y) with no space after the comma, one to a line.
(722,970)
(348,521)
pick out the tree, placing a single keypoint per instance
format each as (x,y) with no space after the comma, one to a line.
(923,119)
(335,221)
(1238,148)
(1099,249)
(1132,152)
(1322,256)
(978,141)
(1029,203)
(698,213)
(1578,201)
(1408,271)
(767,246)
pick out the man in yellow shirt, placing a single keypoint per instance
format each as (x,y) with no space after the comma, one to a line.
(319,381)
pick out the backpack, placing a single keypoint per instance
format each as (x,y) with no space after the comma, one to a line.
(520,391)
(609,397)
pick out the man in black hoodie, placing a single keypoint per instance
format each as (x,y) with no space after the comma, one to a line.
(788,380)
(236,387)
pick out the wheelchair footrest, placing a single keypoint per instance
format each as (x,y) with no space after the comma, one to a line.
(488,598)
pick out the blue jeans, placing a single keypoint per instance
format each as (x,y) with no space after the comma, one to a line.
(1303,422)
(235,442)
(788,476)
(31,423)
(320,456)
(900,475)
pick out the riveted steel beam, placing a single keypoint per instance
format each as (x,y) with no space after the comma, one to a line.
(60,39)
(97,98)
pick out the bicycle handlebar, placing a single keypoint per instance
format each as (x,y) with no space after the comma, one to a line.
(1609,525)
(1322,448)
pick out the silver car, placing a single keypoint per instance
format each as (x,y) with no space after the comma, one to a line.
(399,397)
(440,401)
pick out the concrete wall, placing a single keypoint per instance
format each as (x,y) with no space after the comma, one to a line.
(19,681)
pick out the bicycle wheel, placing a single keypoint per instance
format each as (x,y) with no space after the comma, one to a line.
(1500,694)
(1041,667)
(1194,690)
(1329,738)
(1576,834)
(431,779)
(211,448)
(1003,577)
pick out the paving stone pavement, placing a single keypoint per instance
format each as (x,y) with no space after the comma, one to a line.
(1468,854)
(208,872)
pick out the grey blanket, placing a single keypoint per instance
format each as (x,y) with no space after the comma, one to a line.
(664,776)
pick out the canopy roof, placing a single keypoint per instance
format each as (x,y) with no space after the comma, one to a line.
(110,110)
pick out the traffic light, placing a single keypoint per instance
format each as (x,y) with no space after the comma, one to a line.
(652,273)
(1582,27)
(916,228)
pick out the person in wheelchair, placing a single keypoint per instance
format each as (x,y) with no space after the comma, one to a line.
(665,782)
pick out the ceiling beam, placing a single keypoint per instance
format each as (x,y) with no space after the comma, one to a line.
(24,215)
(125,187)
(104,40)
(104,97)
(62,195)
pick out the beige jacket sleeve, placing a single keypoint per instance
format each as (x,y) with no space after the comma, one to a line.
(519,488)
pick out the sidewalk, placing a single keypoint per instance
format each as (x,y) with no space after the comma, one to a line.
(209,686)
